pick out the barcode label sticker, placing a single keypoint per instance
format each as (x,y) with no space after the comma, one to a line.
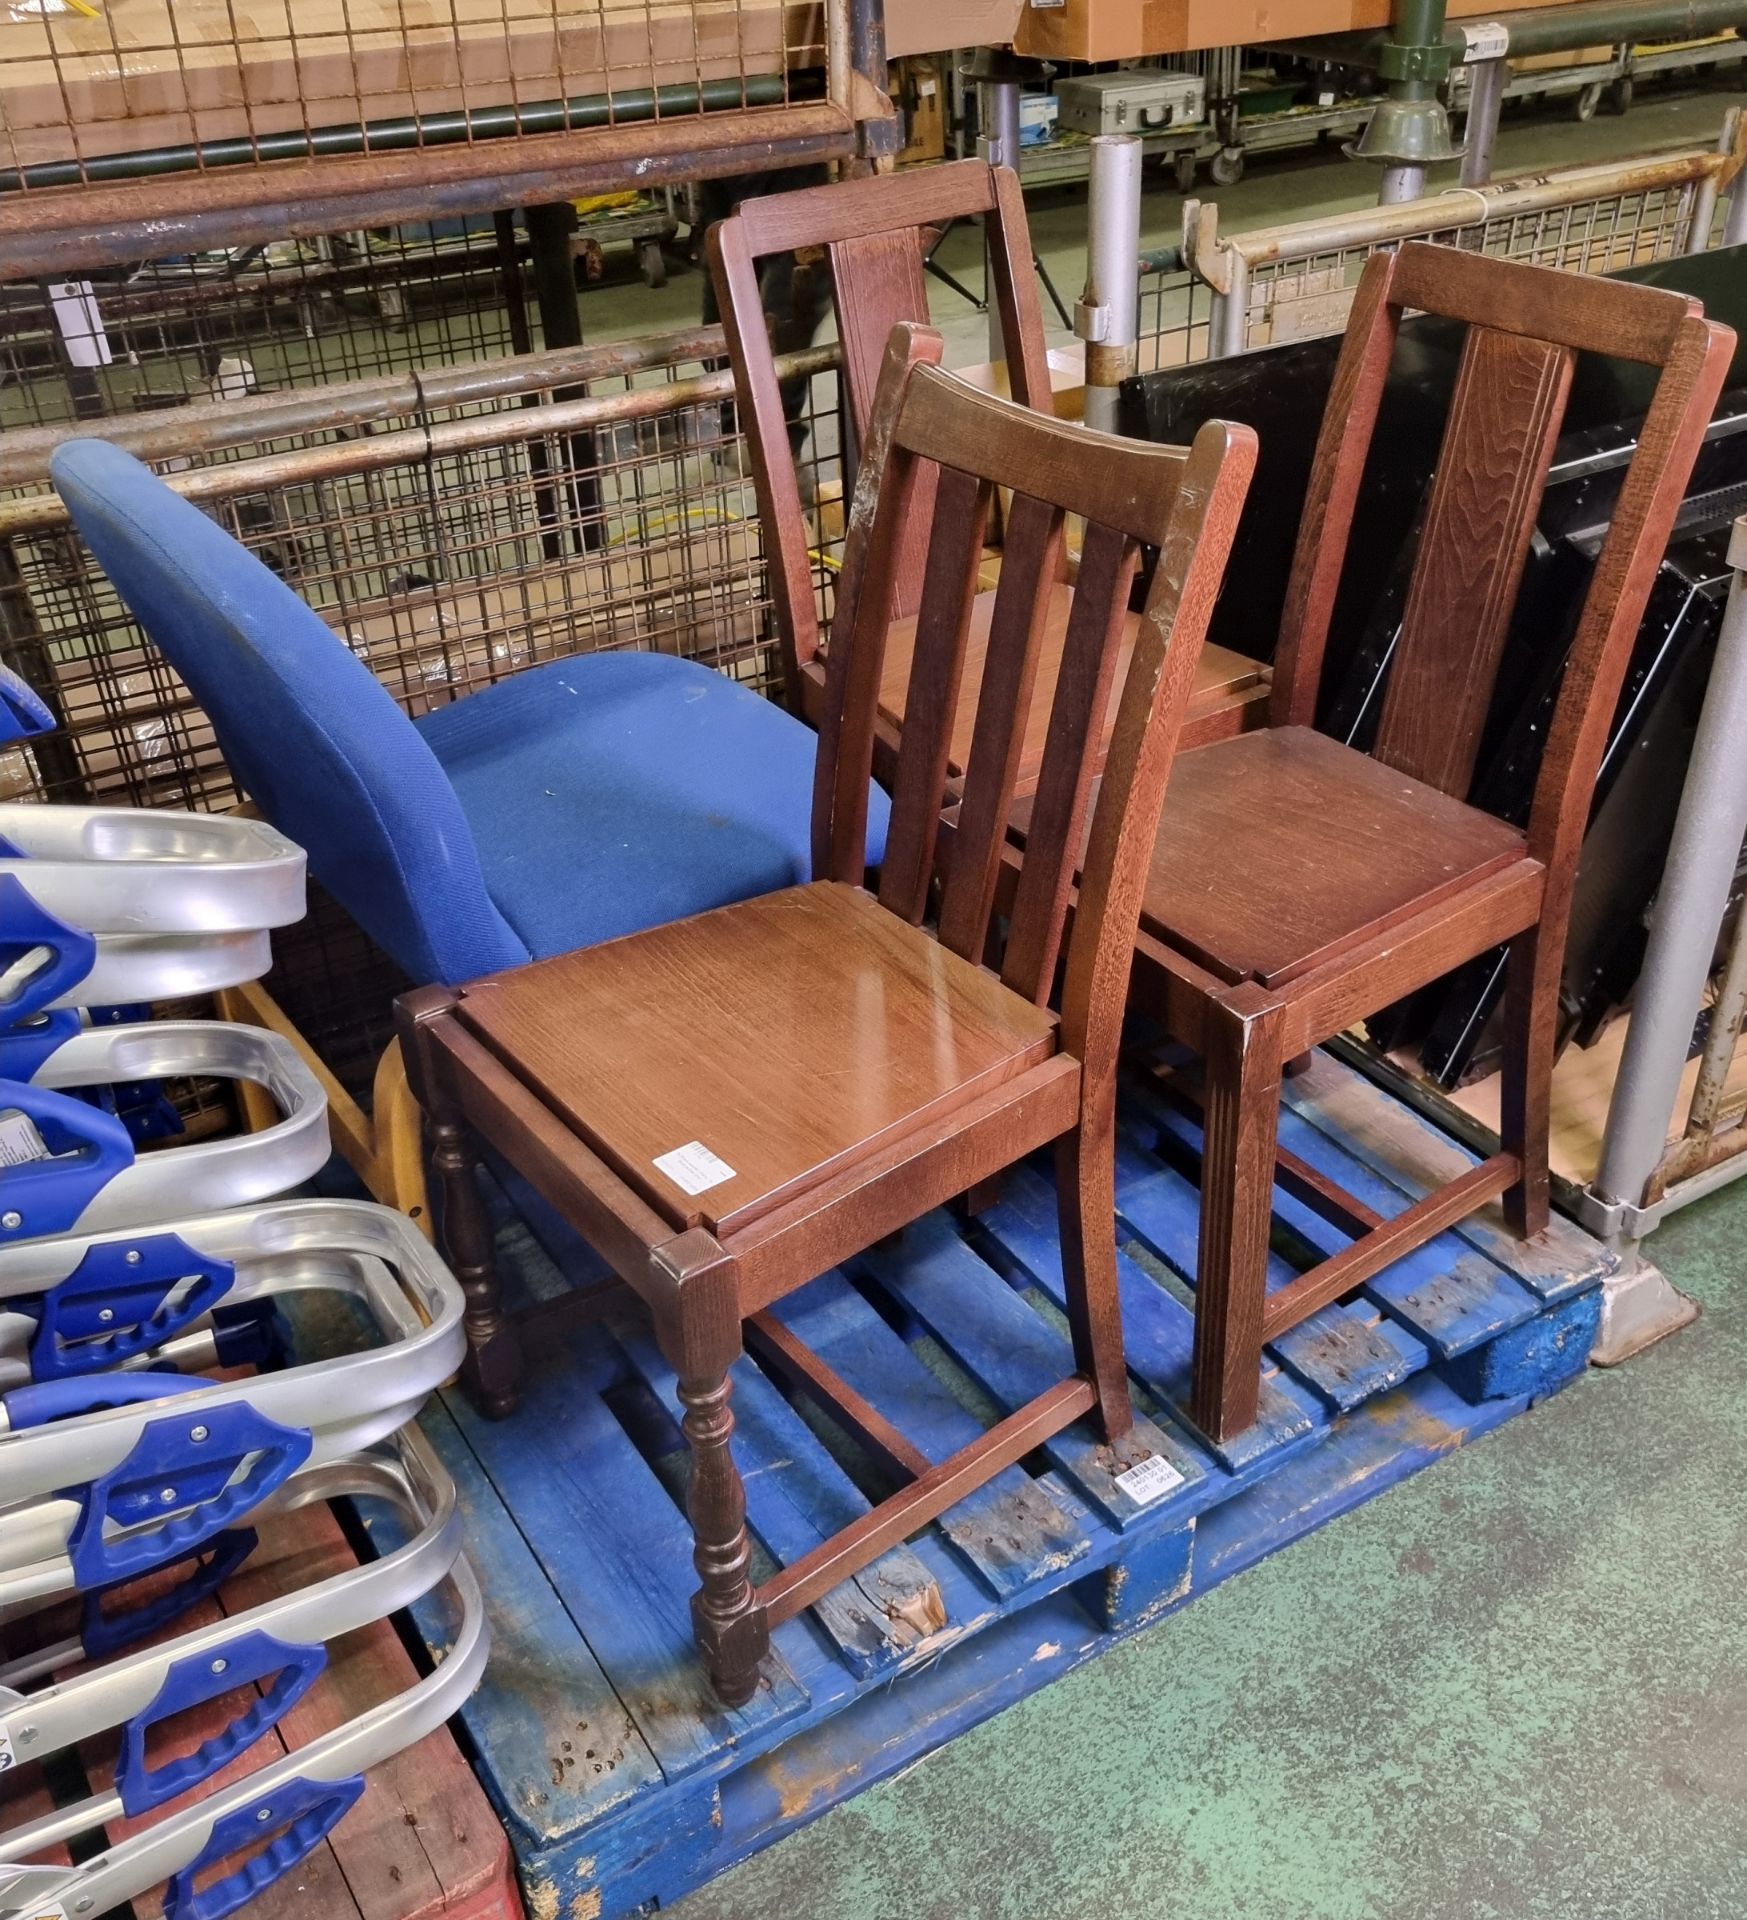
(1149,1480)
(20,1142)
(693,1168)
(1487,40)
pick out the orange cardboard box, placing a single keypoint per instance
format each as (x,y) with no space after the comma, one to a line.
(1128,29)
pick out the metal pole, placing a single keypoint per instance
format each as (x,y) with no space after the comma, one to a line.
(1231,311)
(998,116)
(1708,833)
(1486,80)
(1735,220)
(1399,184)
(1704,203)
(1107,317)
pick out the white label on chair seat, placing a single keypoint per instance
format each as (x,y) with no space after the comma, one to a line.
(20,1141)
(693,1168)
(1149,1479)
(5,1750)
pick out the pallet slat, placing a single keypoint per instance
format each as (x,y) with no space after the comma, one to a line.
(1010,1531)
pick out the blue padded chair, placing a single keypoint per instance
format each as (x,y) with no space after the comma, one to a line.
(587,798)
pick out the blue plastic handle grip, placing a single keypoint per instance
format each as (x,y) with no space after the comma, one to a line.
(25,926)
(91,1148)
(23,711)
(184,1467)
(103,1634)
(299,1817)
(112,1306)
(194,1681)
(50,1400)
(23,1049)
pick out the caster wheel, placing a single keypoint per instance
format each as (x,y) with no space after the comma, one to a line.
(1619,95)
(654,266)
(1584,106)
(1227,166)
(1184,170)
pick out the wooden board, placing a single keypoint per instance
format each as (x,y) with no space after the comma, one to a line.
(572,1503)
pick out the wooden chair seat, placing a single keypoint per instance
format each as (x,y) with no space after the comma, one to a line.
(1281,850)
(1229,688)
(785,1034)
(727,1107)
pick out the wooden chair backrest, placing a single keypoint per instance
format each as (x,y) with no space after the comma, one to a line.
(1526,325)
(932,432)
(872,232)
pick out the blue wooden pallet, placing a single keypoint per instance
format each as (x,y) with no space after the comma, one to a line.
(622,1782)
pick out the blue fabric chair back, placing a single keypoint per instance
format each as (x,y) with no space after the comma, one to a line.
(312,736)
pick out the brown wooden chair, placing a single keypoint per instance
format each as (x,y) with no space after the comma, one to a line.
(873,233)
(728,1106)
(1298,885)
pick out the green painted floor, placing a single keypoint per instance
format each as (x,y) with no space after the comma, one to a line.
(1513,1686)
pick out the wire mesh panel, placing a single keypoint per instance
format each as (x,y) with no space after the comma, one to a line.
(223,324)
(94,90)
(1296,282)
(1174,325)
(447,548)
(1300,298)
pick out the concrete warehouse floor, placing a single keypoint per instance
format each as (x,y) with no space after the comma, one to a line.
(1513,1687)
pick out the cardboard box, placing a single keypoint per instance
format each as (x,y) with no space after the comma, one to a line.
(918,90)
(1131,29)
(133,79)
(940,26)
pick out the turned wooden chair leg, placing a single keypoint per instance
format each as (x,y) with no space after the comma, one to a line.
(493,1370)
(728,1624)
(698,1328)
(1085,1172)
(1237,1190)
(1531,1025)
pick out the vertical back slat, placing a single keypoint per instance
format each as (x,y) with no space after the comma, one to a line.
(880,511)
(1057,828)
(1030,563)
(879,282)
(961,512)
(1324,527)
(1504,421)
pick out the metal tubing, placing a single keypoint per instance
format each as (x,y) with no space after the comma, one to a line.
(371,453)
(43,234)
(1485,97)
(1109,310)
(424,130)
(1719,1053)
(1399,184)
(1554,29)
(1459,207)
(1735,220)
(214,426)
(1231,322)
(1708,833)
(998,111)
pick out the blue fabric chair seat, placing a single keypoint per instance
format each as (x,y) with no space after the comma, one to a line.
(616,791)
(587,798)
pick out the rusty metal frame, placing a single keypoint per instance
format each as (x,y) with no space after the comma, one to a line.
(49,231)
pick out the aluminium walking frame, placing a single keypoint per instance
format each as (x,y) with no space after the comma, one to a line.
(111,1475)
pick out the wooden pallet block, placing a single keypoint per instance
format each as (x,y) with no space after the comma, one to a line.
(422,1841)
(621,1779)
